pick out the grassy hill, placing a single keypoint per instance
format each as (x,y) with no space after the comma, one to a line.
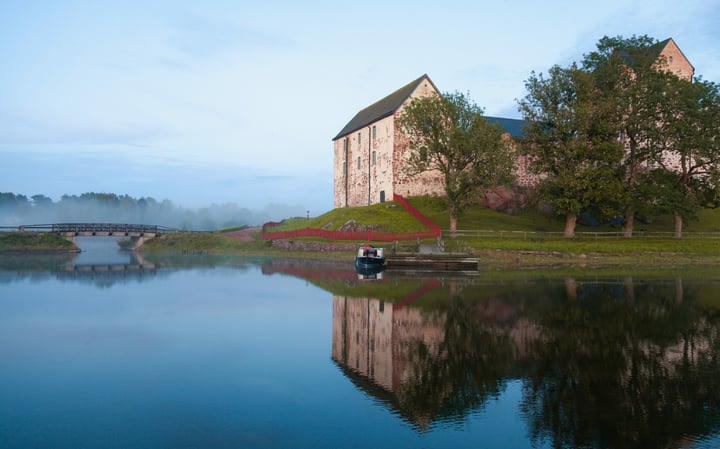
(532,237)
(34,241)
(391,216)
(528,239)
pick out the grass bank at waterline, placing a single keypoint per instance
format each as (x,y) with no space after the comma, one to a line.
(205,243)
(631,252)
(15,242)
(491,252)
(530,238)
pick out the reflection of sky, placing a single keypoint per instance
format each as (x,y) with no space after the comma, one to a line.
(211,357)
(204,357)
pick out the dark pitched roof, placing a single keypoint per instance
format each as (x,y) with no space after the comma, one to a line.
(653,53)
(660,46)
(381,108)
(513,126)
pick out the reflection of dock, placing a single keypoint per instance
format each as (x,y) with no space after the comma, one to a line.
(440,262)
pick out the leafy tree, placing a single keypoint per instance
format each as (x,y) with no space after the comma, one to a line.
(665,123)
(690,138)
(449,134)
(40,200)
(571,139)
(628,72)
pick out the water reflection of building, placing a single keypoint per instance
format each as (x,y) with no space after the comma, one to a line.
(374,338)
(431,364)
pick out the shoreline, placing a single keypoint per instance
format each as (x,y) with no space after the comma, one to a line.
(491,256)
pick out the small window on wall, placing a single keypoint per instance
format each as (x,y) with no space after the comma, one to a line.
(358,161)
(359,138)
(374,133)
(344,168)
(345,144)
(374,159)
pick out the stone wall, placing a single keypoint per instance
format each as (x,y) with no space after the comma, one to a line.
(301,245)
(676,61)
(373,167)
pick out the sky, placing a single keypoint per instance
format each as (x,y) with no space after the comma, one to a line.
(214,102)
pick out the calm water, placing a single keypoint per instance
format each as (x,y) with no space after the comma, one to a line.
(216,353)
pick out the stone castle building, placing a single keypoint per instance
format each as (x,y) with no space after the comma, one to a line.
(675,60)
(370,150)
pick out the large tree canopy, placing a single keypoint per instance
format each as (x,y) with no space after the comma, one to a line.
(690,138)
(448,133)
(570,142)
(649,100)
(623,135)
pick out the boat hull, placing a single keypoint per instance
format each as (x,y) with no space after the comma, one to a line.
(369,257)
(369,262)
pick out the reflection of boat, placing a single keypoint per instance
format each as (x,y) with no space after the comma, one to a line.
(370,257)
(372,272)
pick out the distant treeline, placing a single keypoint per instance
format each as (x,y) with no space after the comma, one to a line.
(16,210)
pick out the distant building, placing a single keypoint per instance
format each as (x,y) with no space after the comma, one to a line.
(370,150)
(675,60)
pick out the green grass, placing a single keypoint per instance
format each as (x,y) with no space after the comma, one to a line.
(536,237)
(390,216)
(34,241)
(200,242)
(532,236)
(479,217)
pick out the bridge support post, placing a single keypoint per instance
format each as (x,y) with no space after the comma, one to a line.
(70,237)
(139,241)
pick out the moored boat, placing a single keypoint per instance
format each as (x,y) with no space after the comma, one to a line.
(370,257)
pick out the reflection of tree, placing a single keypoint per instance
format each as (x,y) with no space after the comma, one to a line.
(469,367)
(613,373)
(613,363)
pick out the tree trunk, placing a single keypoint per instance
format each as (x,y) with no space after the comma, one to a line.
(570,220)
(453,225)
(678,225)
(629,223)
(571,288)
(629,288)
(679,291)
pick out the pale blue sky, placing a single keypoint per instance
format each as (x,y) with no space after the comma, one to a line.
(217,101)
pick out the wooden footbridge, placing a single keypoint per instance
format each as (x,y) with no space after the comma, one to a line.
(138,233)
(98,229)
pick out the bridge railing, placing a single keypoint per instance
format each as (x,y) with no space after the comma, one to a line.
(102,227)
(83,228)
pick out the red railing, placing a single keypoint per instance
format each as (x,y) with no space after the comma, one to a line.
(423,219)
(373,236)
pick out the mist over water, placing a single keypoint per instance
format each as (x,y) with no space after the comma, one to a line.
(17,210)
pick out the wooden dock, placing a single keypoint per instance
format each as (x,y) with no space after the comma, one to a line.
(436,261)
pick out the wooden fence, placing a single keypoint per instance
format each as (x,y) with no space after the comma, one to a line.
(370,236)
(586,235)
